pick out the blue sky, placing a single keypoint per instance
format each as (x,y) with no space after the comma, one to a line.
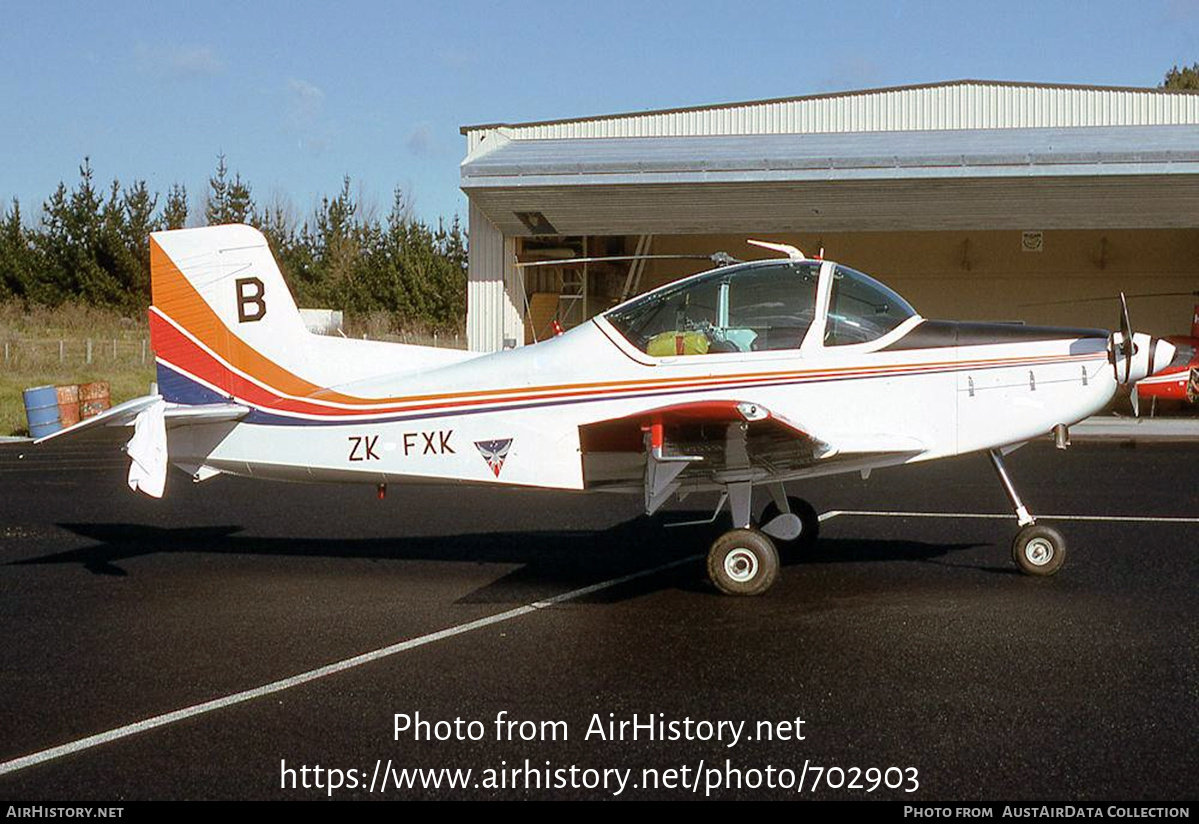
(299,94)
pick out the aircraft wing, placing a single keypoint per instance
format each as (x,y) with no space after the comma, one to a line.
(728,441)
(702,429)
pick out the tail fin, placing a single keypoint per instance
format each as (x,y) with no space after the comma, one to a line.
(222,315)
(224,327)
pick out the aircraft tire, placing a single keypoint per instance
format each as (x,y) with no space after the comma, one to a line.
(810,534)
(743,562)
(1039,550)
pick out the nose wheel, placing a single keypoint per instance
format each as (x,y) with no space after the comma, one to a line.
(743,562)
(1039,550)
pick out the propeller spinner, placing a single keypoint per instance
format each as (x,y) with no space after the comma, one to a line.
(1137,355)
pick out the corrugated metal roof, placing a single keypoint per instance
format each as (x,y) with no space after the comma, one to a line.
(1103,151)
(958,104)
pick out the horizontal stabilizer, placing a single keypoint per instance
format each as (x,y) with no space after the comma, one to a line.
(110,424)
(186,415)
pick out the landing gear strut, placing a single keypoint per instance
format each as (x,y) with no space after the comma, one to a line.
(742,561)
(745,560)
(1037,550)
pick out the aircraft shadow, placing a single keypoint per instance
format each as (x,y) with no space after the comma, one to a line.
(549,562)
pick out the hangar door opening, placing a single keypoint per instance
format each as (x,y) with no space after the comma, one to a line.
(1051,277)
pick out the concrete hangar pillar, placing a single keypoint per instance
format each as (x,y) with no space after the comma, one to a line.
(976,200)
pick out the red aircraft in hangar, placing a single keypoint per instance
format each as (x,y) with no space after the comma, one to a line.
(1180,383)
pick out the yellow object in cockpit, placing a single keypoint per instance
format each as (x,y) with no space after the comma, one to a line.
(668,344)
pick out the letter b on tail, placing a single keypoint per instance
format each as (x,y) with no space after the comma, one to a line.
(251,303)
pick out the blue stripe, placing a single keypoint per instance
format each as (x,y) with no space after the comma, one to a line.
(178,388)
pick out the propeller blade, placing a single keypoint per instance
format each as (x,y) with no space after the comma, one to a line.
(1126,330)
(1135,397)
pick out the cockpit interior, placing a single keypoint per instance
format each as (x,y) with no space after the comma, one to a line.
(756,307)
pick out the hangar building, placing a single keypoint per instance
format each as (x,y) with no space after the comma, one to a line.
(973,199)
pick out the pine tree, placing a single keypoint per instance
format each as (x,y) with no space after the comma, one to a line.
(229,201)
(240,203)
(217,206)
(17,262)
(174,213)
(338,249)
(1185,78)
(138,207)
(404,296)
(71,223)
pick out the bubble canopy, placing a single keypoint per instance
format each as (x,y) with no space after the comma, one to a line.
(761,306)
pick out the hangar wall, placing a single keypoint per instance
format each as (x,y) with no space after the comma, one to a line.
(493,293)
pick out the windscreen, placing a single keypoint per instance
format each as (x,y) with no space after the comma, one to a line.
(861,309)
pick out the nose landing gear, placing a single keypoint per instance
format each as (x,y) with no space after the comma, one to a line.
(1037,550)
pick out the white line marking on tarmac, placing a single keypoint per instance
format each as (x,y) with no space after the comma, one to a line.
(164,719)
(1148,519)
(52,753)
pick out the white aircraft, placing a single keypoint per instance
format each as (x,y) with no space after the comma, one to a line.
(751,375)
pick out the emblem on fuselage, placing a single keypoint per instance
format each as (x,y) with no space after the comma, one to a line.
(494,452)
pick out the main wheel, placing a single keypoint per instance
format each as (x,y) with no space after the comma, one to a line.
(808,519)
(743,562)
(1039,550)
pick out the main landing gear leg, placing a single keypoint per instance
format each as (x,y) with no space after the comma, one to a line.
(1037,550)
(742,561)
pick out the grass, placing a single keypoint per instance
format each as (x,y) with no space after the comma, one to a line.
(124,383)
(49,346)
